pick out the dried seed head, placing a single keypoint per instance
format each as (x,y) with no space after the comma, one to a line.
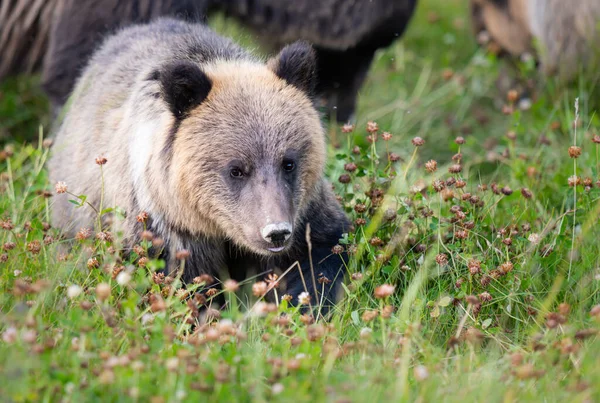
(103,291)
(596,139)
(461,234)
(347,128)
(431,166)
(526,193)
(438,185)
(231,285)
(474,266)
(182,254)
(101,160)
(337,250)
(506,267)
(442,259)
(376,241)
(574,151)
(369,315)
(384,291)
(159,278)
(393,157)
(350,167)
(93,263)
(142,217)
(61,187)
(506,190)
(534,238)
(574,180)
(9,246)
(512,96)
(360,208)
(472,299)
(508,109)
(315,332)
(418,141)
(372,127)
(356,150)
(259,288)
(459,140)
(83,233)
(344,178)
(485,296)
(386,136)
(104,236)
(356,276)
(455,168)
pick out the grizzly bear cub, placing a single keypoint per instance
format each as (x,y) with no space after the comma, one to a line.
(224,152)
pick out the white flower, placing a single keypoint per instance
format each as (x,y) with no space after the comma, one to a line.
(534,238)
(17,273)
(147,318)
(9,335)
(277,388)
(304,298)
(74,291)
(123,278)
(365,332)
(421,373)
(172,364)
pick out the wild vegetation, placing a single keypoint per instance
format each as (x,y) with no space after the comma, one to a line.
(474,267)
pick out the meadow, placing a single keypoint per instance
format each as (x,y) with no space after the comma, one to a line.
(474,273)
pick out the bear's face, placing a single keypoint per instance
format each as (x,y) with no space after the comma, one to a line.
(250,155)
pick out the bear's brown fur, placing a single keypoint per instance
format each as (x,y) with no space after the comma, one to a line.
(567,32)
(225,153)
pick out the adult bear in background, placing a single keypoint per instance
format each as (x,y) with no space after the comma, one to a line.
(223,152)
(567,31)
(345,35)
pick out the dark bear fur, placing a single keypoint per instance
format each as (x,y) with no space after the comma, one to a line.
(345,35)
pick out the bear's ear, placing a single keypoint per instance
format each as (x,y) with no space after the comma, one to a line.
(297,65)
(184,86)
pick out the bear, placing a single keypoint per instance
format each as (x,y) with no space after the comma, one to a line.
(566,33)
(345,34)
(223,152)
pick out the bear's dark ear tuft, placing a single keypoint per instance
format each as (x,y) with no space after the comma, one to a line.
(184,86)
(297,65)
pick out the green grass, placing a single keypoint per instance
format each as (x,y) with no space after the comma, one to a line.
(503,332)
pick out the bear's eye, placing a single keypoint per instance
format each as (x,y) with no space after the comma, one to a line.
(236,173)
(289,165)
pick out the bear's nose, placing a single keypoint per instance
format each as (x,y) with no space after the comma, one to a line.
(276,233)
